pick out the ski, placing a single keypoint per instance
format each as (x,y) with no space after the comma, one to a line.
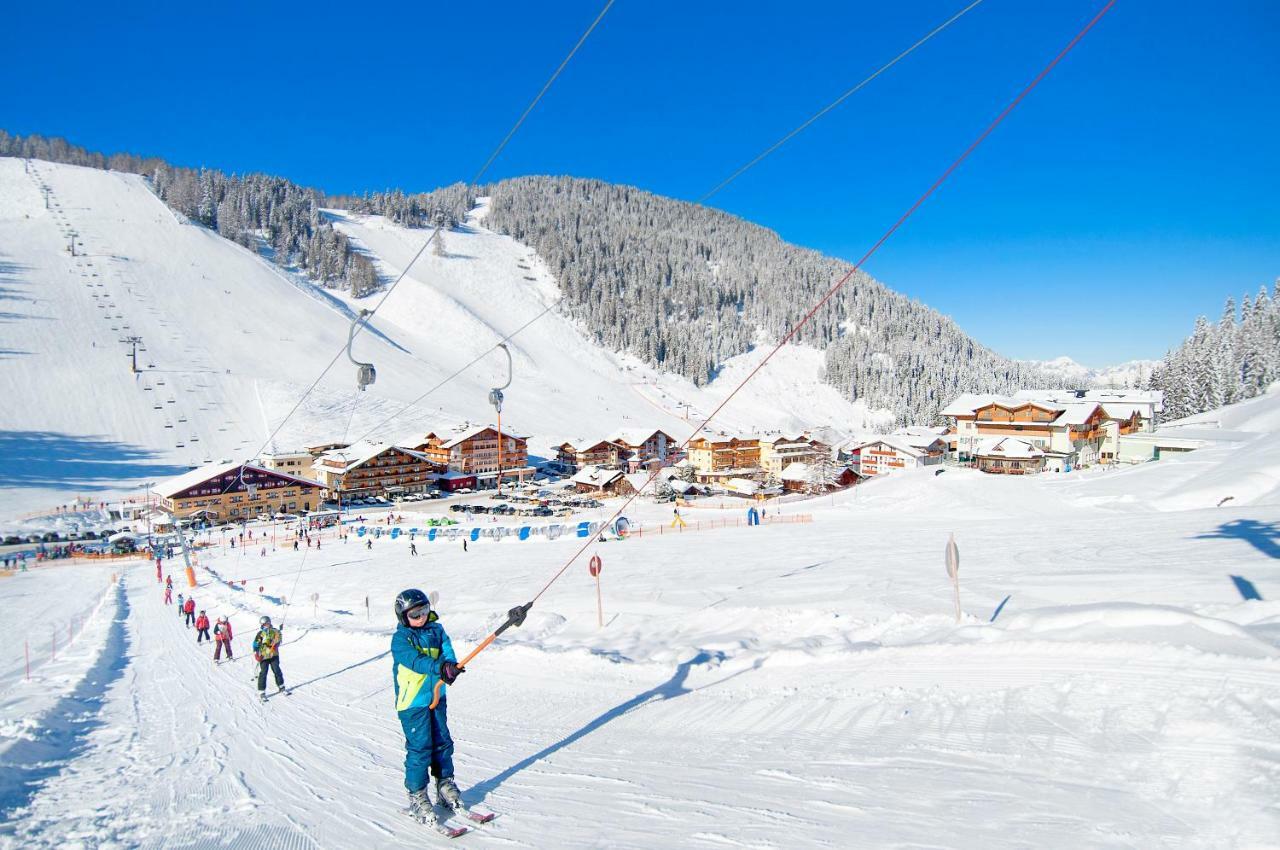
(442,828)
(476,817)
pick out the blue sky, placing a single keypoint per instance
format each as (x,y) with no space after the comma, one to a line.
(1137,187)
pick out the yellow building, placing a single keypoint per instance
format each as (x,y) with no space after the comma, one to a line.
(720,457)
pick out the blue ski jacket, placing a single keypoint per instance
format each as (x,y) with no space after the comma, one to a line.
(416,658)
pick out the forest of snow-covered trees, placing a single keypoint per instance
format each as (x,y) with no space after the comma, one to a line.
(683,286)
(1231,360)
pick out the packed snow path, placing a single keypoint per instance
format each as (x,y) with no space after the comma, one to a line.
(779,687)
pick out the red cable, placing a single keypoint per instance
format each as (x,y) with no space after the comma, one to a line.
(842,281)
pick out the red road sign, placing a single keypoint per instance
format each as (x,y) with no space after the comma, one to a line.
(594,565)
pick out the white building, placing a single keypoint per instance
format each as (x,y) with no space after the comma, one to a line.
(902,451)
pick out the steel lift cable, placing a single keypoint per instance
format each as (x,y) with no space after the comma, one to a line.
(833,104)
(516,616)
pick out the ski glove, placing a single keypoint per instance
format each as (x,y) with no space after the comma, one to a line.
(450,671)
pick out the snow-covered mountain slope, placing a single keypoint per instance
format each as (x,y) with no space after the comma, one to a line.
(1133,373)
(231,343)
(1113,682)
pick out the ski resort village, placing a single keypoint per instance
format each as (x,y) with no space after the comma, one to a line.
(682,456)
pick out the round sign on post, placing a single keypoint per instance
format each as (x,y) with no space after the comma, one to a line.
(595,566)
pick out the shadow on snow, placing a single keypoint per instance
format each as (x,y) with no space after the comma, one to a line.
(670,689)
(48,459)
(66,728)
(1263,536)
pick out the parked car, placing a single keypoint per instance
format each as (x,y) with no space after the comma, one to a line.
(463,491)
(457,509)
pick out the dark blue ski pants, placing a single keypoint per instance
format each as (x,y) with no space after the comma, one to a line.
(427,745)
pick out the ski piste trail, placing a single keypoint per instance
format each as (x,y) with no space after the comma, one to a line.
(787,685)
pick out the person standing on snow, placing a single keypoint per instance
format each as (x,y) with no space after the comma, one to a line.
(421,656)
(413,548)
(189,609)
(221,638)
(202,628)
(182,611)
(266,651)
(168,594)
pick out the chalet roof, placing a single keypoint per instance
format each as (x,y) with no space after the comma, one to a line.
(745,486)
(459,437)
(452,436)
(899,443)
(796,472)
(1103,396)
(582,444)
(359,454)
(636,436)
(1009,447)
(1076,414)
(640,482)
(968,403)
(1122,410)
(596,476)
(173,486)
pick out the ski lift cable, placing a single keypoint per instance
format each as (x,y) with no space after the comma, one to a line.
(493,156)
(839,100)
(516,616)
(435,233)
(482,355)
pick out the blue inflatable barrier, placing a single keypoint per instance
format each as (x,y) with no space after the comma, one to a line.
(475,534)
(753,517)
(584,529)
(395,532)
(554,531)
(524,532)
(431,534)
(360,531)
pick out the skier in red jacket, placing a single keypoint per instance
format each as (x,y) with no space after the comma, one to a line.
(221,638)
(202,628)
(189,610)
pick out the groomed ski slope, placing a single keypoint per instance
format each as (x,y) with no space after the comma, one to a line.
(790,685)
(232,342)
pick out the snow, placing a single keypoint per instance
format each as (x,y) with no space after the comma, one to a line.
(792,684)
(1114,681)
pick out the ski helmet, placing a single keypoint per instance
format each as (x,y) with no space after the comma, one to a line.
(265,621)
(407,601)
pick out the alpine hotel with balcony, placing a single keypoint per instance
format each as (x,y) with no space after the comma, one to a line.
(1017,436)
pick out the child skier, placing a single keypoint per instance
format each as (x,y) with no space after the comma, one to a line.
(202,628)
(182,610)
(221,638)
(266,651)
(422,655)
(189,609)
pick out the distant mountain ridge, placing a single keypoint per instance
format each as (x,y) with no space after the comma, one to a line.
(1133,374)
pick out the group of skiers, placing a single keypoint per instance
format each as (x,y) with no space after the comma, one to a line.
(422,657)
(266,643)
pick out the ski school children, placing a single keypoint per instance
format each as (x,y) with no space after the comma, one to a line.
(221,638)
(266,651)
